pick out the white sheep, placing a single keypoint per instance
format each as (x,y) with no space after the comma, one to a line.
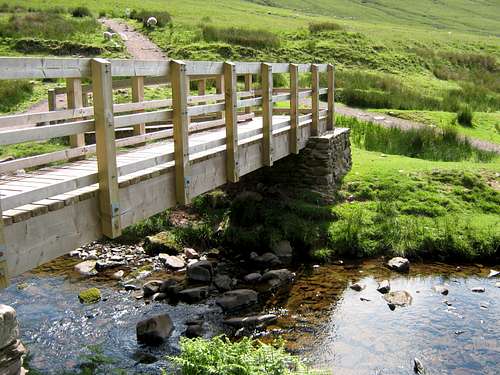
(107,35)
(151,22)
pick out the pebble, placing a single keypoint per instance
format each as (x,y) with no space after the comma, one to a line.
(478,289)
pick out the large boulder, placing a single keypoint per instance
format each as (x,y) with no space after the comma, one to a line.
(151,287)
(172,261)
(9,328)
(265,261)
(399,298)
(155,330)
(89,296)
(251,321)
(223,283)
(399,264)
(384,287)
(201,271)
(237,299)
(163,242)
(283,250)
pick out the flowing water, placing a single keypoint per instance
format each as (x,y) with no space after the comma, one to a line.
(322,319)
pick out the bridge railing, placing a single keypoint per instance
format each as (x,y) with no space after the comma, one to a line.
(104,117)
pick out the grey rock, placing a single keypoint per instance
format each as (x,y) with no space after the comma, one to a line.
(172,261)
(159,296)
(11,359)
(266,260)
(358,287)
(155,330)
(441,289)
(252,278)
(384,287)
(275,279)
(129,287)
(237,299)
(170,287)
(102,265)
(86,268)
(283,250)
(201,271)
(399,264)
(193,295)
(194,330)
(478,289)
(251,321)
(151,287)
(118,275)
(400,298)
(418,367)
(191,253)
(9,328)
(497,284)
(223,283)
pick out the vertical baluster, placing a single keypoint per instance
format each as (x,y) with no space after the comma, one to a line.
(138,96)
(248,87)
(105,148)
(219,89)
(315,99)
(294,108)
(202,89)
(52,101)
(181,123)
(267,114)
(75,100)
(331,97)
(231,103)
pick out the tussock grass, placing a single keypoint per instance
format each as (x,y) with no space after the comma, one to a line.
(241,36)
(317,27)
(14,92)
(163,18)
(425,143)
(81,12)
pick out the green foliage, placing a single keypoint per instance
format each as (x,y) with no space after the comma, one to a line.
(464,116)
(219,356)
(425,143)
(46,25)
(260,39)
(163,18)
(23,150)
(81,12)
(154,224)
(317,27)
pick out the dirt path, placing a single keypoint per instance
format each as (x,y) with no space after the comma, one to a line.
(138,45)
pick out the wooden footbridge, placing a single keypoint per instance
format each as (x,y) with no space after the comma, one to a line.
(55,202)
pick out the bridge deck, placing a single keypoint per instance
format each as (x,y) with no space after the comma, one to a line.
(49,211)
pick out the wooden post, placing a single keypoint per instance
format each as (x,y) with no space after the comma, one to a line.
(75,100)
(4,277)
(138,96)
(267,113)
(105,148)
(219,89)
(294,108)
(331,97)
(85,99)
(232,167)
(315,99)
(179,78)
(52,101)
(248,87)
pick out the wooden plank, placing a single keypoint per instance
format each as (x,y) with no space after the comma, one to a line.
(232,168)
(267,114)
(138,96)
(330,122)
(315,99)
(219,89)
(109,203)
(178,78)
(294,108)
(4,276)
(75,100)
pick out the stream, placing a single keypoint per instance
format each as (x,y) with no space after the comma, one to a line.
(323,320)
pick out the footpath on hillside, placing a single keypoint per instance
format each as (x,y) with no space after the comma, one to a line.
(141,47)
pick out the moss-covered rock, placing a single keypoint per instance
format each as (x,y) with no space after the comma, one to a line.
(91,295)
(163,242)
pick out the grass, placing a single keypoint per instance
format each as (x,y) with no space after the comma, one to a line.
(245,357)
(240,36)
(485,126)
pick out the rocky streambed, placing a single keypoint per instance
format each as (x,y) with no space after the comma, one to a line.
(353,318)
